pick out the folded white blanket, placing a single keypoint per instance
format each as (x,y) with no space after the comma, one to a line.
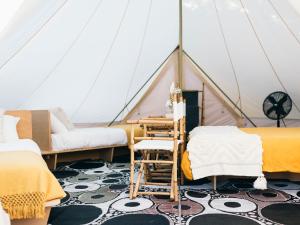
(224,150)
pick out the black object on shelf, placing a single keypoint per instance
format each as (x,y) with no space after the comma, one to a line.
(192,109)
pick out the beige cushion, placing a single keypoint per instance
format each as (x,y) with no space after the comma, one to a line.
(62,117)
(57,127)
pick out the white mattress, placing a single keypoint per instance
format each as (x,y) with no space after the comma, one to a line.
(20,145)
(89,137)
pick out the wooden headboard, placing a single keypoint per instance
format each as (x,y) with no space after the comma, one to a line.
(35,125)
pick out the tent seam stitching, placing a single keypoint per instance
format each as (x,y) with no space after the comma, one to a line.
(264,51)
(104,62)
(32,36)
(65,54)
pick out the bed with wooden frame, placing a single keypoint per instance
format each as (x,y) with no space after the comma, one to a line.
(281,153)
(29,127)
(41,134)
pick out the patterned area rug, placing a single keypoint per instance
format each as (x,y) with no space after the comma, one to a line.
(97,193)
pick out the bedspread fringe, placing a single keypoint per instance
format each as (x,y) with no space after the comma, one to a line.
(24,206)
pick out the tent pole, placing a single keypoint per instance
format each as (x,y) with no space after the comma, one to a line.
(180,49)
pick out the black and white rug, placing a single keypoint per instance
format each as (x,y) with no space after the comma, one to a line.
(97,193)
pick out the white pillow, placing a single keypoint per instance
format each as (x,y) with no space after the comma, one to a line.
(56,125)
(9,128)
(62,117)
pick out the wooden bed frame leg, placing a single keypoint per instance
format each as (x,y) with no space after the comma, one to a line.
(111,154)
(107,154)
(214,183)
(51,161)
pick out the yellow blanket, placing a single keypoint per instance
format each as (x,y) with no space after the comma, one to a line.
(26,184)
(281,150)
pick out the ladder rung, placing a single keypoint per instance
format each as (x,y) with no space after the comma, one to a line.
(157,183)
(154,161)
(153,193)
(161,178)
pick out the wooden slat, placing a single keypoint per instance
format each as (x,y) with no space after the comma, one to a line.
(105,154)
(153,193)
(137,185)
(155,174)
(162,170)
(160,132)
(156,183)
(158,118)
(161,179)
(80,149)
(41,129)
(151,121)
(153,161)
(154,138)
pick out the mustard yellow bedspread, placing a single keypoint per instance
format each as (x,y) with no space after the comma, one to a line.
(281,150)
(26,184)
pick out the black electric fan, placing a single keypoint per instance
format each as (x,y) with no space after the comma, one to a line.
(277,106)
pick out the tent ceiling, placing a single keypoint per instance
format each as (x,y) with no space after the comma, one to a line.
(250,48)
(295,4)
(7,11)
(91,57)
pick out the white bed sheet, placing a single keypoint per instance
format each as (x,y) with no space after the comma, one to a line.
(89,137)
(20,145)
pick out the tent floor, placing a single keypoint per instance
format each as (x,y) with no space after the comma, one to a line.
(97,193)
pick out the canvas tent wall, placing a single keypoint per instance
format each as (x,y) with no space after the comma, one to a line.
(88,56)
(216,110)
(92,57)
(249,48)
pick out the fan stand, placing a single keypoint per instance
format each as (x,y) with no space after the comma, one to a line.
(278,121)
